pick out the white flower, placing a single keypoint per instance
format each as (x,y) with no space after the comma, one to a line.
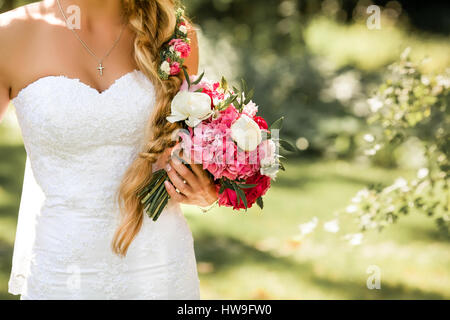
(422,173)
(351,208)
(246,133)
(183,29)
(193,107)
(331,226)
(268,151)
(375,104)
(269,159)
(172,48)
(165,67)
(369,138)
(360,195)
(270,171)
(354,239)
(308,227)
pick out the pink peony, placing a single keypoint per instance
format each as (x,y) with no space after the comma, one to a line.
(179,45)
(228,197)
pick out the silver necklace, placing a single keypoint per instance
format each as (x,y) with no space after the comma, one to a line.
(100,66)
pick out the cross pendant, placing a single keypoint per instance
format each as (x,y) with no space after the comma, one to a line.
(100,69)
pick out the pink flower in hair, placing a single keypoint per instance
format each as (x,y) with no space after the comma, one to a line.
(181,46)
(174,68)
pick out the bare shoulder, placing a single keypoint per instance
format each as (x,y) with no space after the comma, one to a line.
(19,19)
(17,28)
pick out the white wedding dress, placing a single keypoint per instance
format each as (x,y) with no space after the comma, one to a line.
(79,143)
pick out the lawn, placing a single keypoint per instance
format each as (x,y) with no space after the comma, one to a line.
(251,255)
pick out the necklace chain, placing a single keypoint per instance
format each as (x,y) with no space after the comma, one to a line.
(100,66)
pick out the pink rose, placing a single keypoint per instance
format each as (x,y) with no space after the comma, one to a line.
(261,123)
(174,68)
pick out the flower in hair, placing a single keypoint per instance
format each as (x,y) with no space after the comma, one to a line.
(177,49)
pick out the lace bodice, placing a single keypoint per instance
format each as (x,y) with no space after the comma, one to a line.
(79,143)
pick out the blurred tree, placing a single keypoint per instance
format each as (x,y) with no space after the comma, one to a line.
(6,5)
(411,105)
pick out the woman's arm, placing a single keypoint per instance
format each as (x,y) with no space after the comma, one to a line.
(11,25)
(4,99)
(4,84)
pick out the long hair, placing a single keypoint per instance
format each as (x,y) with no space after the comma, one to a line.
(153,22)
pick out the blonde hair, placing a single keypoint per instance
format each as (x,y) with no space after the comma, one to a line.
(153,22)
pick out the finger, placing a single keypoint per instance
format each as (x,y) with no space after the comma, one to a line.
(178,182)
(195,167)
(199,171)
(184,172)
(173,193)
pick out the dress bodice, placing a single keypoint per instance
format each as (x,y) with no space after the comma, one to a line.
(79,144)
(80,141)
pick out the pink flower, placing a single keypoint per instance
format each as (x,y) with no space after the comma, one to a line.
(174,68)
(204,84)
(181,46)
(228,197)
(250,109)
(261,123)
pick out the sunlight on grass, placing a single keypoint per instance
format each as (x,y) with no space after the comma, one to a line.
(356,45)
(249,255)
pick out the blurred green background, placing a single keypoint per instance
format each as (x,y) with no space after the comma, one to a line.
(317,63)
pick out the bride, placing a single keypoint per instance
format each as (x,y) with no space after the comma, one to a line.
(92,111)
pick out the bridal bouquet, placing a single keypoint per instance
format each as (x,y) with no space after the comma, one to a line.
(221,131)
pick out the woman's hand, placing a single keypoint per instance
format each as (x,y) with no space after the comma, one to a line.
(195,187)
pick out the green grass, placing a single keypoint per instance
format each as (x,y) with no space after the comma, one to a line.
(251,255)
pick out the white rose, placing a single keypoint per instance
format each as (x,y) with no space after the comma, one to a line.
(246,133)
(193,107)
(269,159)
(268,152)
(270,171)
(183,29)
(165,67)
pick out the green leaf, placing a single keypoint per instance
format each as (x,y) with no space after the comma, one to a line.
(288,146)
(280,164)
(224,83)
(277,124)
(186,76)
(246,186)
(260,202)
(244,85)
(249,96)
(223,105)
(222,188)
(238,199)
(197,81)
(243,197)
